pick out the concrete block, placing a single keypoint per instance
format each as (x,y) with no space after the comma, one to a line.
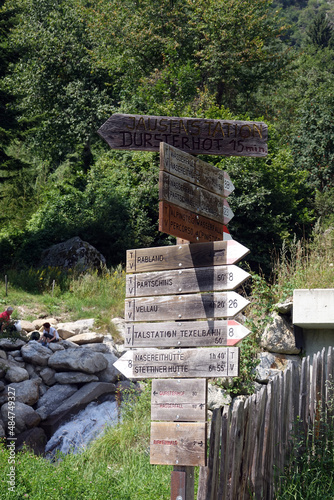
(314,308)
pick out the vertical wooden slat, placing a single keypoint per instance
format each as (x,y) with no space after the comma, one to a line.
(237,431)
(330,383)
(224,458)
(209,475)
(245,480)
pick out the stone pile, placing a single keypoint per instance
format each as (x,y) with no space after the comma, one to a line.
(41,386)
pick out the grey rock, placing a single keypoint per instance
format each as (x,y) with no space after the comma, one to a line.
(25,416)
(110,373)
(217,397)
(34,439)
(43,388)
(73,253)
(16,353)
(87,338)
(3,354)
(53,398)
(101,347)
(56,346)
(83,360)
(88,393)
(9,345)
(27,391)
(2,386)
(272,364)
(16,374)
(285,307)
(75,378)
(279,336)
(47,374)
(35,353)
(67,344)
(79,326)
(2,429)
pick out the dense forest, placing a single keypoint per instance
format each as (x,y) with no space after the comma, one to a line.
(67,65)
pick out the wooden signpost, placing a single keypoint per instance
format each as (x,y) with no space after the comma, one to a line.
(193,135)
(191,197)
(216,253)
(181,296)
(175,363)
(194,228)
(178,400)
(189,168)
(207,333)
(201,279)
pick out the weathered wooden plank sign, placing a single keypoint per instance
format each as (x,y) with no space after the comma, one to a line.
(176,363)
(190,306)
(193,135)
(216,253)
(202,279)
(191,197)
(178,443)
(189,168)
(189,225)
(184,334)
(179,400)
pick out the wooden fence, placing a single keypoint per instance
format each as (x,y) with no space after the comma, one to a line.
(251,443)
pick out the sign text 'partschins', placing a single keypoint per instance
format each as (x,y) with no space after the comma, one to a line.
(193,135)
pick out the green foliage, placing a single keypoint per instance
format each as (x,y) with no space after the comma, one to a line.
(117,465)
(320,32)
(310,472)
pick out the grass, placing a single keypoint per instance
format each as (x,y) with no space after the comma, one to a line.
(310,472)
(70,296)
(116,466)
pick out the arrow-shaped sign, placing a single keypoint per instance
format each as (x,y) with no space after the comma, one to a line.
(180,307)
(184,334)
(176,363)
(215,253)
(203,279)
(193,135)
(177,162)
(191,197)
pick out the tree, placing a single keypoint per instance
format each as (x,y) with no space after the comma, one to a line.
(320,32)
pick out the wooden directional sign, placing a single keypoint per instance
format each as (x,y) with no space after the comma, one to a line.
(178,443)
(186,195)
(215,253)
(184,334)
(189,225)
(202,279)
(193,135)
(176,363)
(191,169)
(179,400)
(180,307)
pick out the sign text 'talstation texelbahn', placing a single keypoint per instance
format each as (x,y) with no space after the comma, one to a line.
(193,135)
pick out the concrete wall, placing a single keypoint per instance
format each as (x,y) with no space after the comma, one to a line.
(313,311)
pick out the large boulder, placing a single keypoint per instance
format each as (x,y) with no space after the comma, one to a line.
(110,373)
(16,374)
(81,360)
(25,416)
(76,327)
(73,253)
(53,398)
(279,336)
(87,338)
(27,391)
(35,353)
(75,378)
(11,345)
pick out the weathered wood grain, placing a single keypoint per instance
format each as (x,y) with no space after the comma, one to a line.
(202,279)
(192,169)
(184,334)
(189,225)
(183,194)
(179,400)
(178,443)
(177,363)
(215,253)
(181,307)
(193,135)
